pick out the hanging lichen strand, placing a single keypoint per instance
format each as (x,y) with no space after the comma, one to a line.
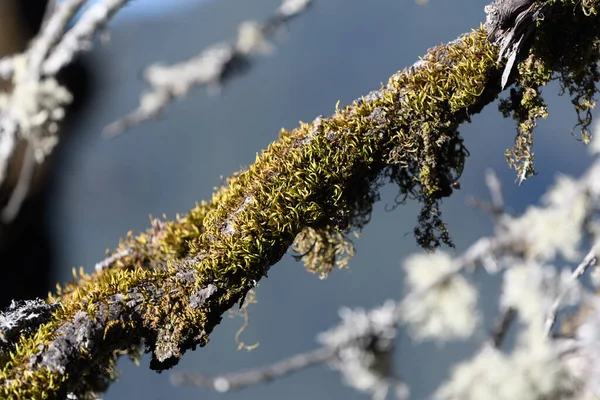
(316,184)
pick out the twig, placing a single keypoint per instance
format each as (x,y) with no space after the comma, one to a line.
(502,326)
(588,261)
(52,49)
(110,260)
(51,33)
(236,381)
(495,188)
(8,142)
(21,190)
(496,207)
(78,38)
(51,6)
(214,66)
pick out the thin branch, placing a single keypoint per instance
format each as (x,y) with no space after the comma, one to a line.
(495,188)
(52,32)
(214,66)
(52,49)
(78,39)
(266,374)
(21,190)
(496,207)
(502,326)
(588,261)
(51,6)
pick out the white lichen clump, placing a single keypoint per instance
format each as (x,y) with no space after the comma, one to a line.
(555,228)
(534,369)
(365,344)
(531,289)
(448,308)
(37,106)
(548,232)
(531,372)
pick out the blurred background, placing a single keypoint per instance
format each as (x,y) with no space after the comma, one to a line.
(338,50)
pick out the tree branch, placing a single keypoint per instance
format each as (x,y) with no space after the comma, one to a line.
(240,380)
(214,66)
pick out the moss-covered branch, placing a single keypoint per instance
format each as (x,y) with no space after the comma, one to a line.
(315,185)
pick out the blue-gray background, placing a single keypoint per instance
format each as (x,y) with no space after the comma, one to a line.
(338,50)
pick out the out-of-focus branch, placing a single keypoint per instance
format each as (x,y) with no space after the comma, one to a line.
(589,260)
(78,39)
(51,33)
(55,46)
(214,66)
(237,381)
(502,326)
(34,108)
(21,190)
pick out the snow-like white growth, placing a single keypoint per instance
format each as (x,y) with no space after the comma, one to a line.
(251,39)
(561,194)
(532,288)
(534,370)
(447,309)
(548,232)
(581,354)
(529,373)
(555,228)
(37,106)
(521,291)
(365,343)
(292,7)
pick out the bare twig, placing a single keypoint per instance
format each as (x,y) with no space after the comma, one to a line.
(495,207)
(20,192)
(236,381)
(502,326)
(495,188)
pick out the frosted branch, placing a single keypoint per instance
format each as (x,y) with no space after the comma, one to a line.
(215,66)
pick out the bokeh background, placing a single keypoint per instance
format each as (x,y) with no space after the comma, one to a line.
(338,50)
